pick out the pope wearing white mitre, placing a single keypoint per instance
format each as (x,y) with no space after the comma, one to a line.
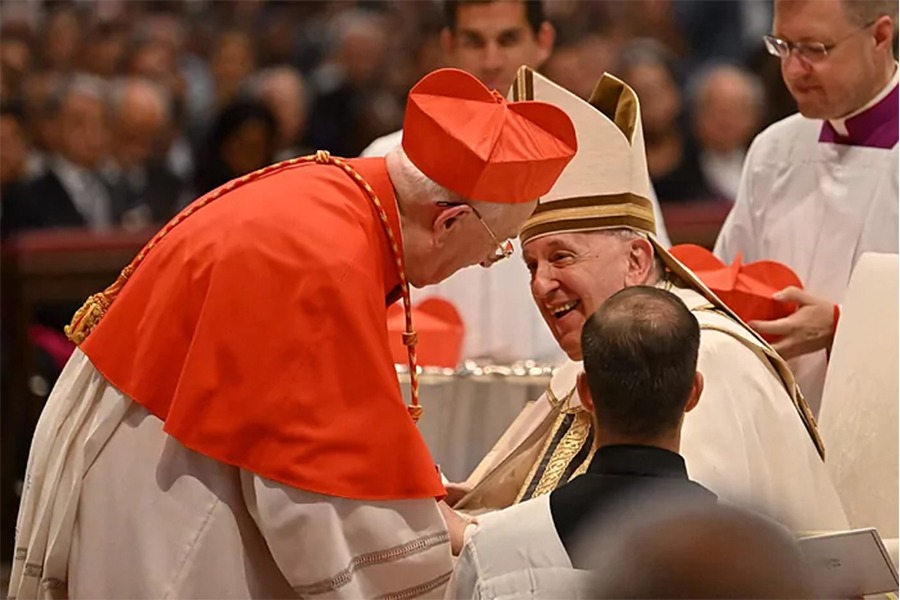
(752,440)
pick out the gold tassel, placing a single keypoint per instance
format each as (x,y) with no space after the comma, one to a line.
(86,318)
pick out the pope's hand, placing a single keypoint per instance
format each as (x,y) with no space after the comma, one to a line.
(809,329)
(456,526)
(455,492)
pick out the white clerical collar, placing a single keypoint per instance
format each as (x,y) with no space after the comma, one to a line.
(840,124)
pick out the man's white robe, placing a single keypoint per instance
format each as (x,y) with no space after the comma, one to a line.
(113,507)
(516,553)
(816,207)
(745,440)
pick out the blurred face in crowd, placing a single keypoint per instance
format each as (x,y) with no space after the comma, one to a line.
(15,61)
(659,95)
(567,65)
(61,39)
(284,95)
(572,274)
(249,147)
(139,125)
(727,113)
(103,54)
(857,65)
(166,29)
(493,39)
(15,149)
(231,62)
(362,51)
(566,69)
(156,60)
(83,129)
(36,89)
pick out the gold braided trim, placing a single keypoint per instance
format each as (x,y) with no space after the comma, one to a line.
(570,444)
(568,447)
(583,467)
(557,403)
(92,311)
(533,472)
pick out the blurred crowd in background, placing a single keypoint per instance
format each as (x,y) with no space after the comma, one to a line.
(156,102)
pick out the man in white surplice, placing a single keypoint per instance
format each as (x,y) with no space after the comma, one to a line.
(820,188)
(752,440)
(640,360)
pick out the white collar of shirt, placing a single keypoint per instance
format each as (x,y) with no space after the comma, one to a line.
(135,177)
(840,124)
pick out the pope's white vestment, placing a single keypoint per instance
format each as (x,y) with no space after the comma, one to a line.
(745,440)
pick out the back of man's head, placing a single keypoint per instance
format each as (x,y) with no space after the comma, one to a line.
(640,358)
(675,548)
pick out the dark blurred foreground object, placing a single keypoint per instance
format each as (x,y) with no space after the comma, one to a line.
(687,551)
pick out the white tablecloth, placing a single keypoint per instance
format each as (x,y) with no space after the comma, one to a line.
(464,416)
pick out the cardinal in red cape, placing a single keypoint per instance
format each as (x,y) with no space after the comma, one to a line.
(231,424)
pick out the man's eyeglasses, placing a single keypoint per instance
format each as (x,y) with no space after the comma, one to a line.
(811,52)
(503,249)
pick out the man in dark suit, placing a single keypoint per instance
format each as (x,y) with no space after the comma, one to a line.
(71,193)
(108,170)
(640,358)
(145,190)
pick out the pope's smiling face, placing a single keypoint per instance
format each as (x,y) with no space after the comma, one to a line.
(572,274)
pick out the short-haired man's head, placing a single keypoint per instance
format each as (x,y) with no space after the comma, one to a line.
(640,358)
(80,109)
(491,39)
(534,12)
(670,546)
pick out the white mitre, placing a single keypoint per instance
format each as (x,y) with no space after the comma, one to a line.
(607,186)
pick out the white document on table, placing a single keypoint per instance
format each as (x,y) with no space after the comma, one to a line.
(849,564)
